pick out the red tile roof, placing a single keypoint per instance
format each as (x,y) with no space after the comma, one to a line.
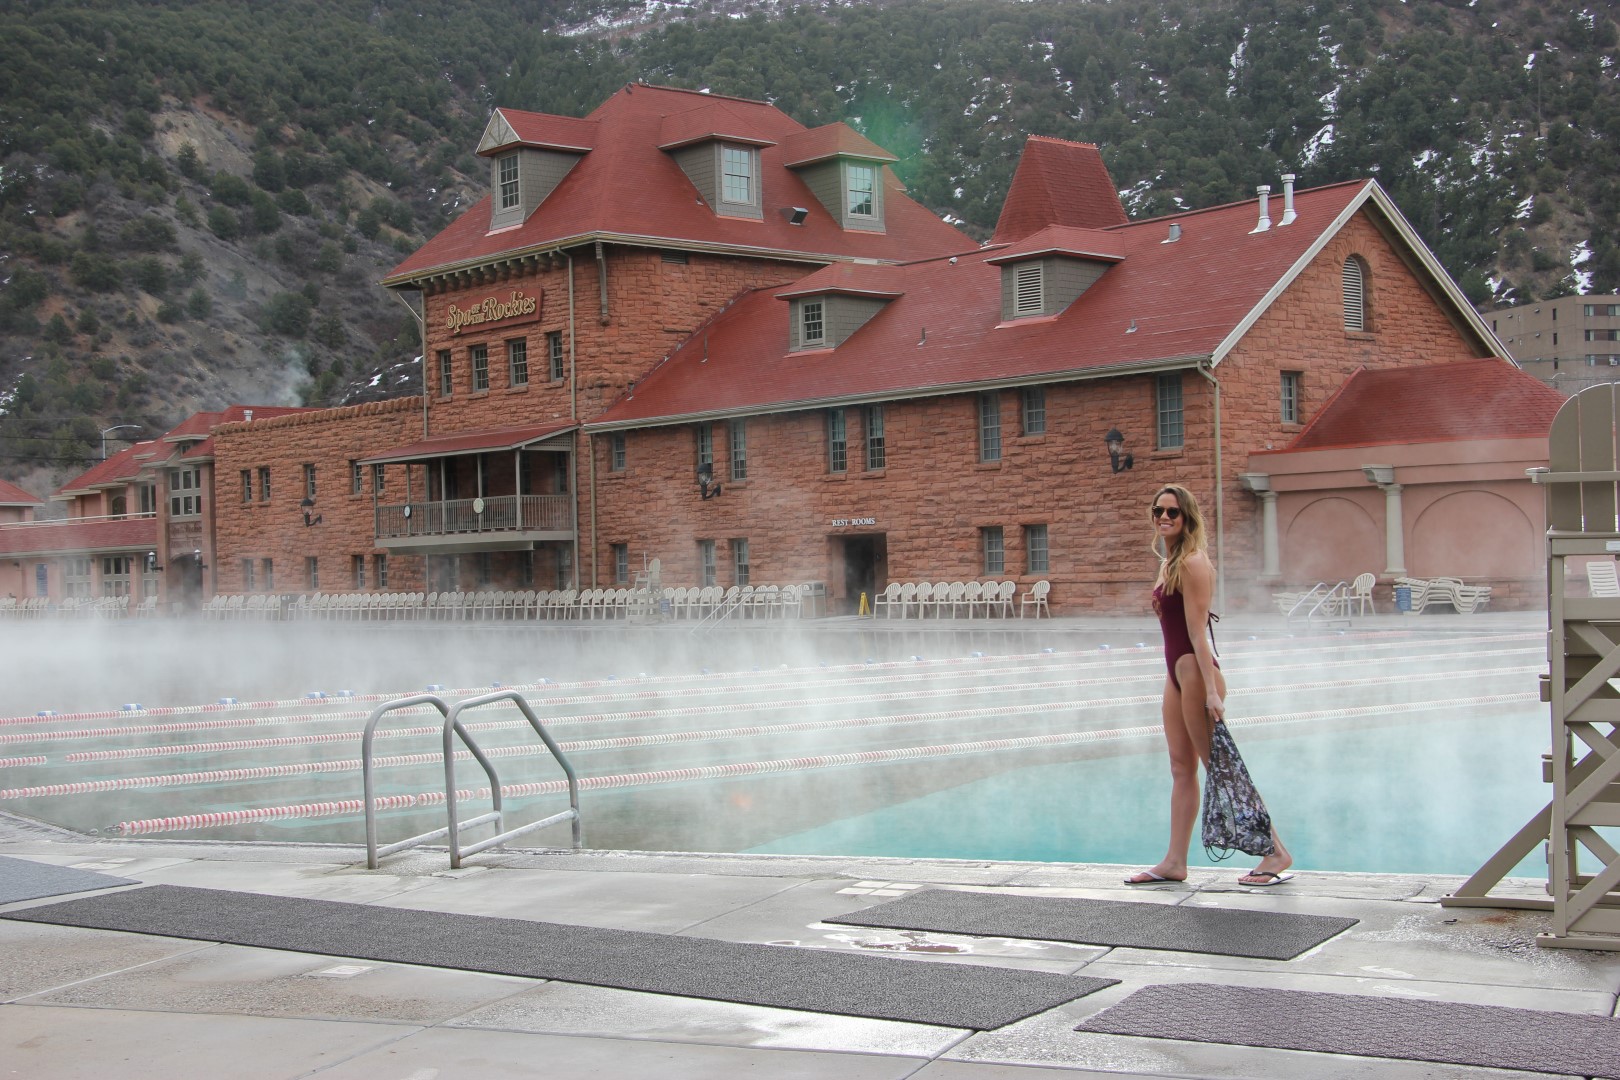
(1468,399)
(546,132)
(12,495)
(199,424)
(1058,183)
(710,121)
(851,279)
(70,536)
(945,333)
(627,188)
(830,141)
(471,442)
(121,468)
(1064,240)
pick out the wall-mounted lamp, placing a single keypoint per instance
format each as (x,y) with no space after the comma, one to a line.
(1115,443)
(706,484)
(795,214)
(307,506)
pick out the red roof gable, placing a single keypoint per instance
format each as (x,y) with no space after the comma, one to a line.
(70,535)
(1058,183)
(546,132)
(853,279)
(121,468)
(946,334)
(12,495)
(1064,240)
(830,141)
(1469,399)
(626,187)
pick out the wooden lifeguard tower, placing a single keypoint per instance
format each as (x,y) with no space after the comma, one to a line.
(1582,484)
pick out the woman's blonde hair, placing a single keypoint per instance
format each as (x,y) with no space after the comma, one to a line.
(1192,536)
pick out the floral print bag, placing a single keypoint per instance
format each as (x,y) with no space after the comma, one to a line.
(1235,819)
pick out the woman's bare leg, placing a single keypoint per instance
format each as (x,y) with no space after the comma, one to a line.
(1198,729)
(1183,788)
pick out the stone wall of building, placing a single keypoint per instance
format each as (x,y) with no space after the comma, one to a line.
(274,529)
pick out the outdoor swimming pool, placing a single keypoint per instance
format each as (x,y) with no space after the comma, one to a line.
(1394,751)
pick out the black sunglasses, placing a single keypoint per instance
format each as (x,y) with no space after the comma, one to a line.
(1172,512)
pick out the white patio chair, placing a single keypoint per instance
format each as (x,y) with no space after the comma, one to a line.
(883,603)
(1361,594)
(1036,598)
(1001,603)
(925,597)
(972,597)
(792,604)
(908,597)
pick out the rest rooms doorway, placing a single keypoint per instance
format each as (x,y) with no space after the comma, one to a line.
(865,560)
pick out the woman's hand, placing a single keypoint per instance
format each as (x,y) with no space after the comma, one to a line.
(1214,706)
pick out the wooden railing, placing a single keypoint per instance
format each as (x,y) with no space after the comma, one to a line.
(497,513)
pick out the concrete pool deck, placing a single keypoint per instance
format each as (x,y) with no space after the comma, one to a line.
(77,1002)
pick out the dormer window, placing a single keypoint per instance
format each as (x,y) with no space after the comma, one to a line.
(508,167)
(738,168)
(812,324)
(1045,273)
(862,185)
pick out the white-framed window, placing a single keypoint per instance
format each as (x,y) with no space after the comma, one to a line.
(357,570)
(1037,553)
(837,442)
(379,478)
(309,481)
(1027,291)
(705,447)
(508,165)
(993,546)
(264,483)
(185,492)
(565,567)
(616,452)
(621,564)
(1032,409)
(877,449)
(480,366)
(554,356)
(379,564)
(312,572)
(737,171)
(1590,310)
(248,568)
(1171,421)
(990,426)
(247,485)
(560,474)
(115,574)
(862,180)
(1355,294)
(706,567)
(76,574)
(447,374)
(146,494)
(1290,396)
(357,477)
(738,432)
(812,323)
(739,561)
(517,362)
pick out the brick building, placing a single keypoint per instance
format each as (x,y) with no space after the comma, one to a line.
(686,327)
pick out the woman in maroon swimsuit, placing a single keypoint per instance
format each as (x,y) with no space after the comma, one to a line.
(1194,688)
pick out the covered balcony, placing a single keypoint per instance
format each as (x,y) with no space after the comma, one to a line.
(502,489)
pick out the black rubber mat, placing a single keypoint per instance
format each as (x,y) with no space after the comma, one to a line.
(973,996)
(1488,1036)
(1265,935)
(24,879)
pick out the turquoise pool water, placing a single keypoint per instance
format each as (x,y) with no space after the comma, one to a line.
(1436,796)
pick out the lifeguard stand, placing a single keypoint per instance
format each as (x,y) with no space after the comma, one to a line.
(1582,485)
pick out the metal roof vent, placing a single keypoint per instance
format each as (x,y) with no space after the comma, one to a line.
(1264,191)
(1175,233)
(1288,200)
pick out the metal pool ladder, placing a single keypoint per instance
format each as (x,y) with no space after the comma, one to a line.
(453,726)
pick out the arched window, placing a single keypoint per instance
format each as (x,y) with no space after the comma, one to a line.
(1355,294)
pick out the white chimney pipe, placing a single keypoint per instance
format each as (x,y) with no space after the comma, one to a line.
(1264,191)
(1175,234)
(1288,200)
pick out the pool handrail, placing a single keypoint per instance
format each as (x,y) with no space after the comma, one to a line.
(368,782)
(452,725)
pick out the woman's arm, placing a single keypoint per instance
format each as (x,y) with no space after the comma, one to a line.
(1198,590)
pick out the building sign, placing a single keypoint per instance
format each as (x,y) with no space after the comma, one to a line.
(507,309)
(839,523)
